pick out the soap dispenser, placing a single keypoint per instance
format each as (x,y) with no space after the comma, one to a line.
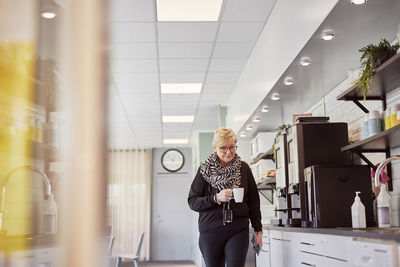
(358,213)
(384,208)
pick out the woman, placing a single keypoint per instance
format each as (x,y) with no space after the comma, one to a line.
(223,240)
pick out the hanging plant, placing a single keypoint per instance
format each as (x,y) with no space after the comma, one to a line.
(372,57)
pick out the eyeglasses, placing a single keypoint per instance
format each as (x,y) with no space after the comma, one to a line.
(224,149)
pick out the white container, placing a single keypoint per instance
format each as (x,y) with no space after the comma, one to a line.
(374,123)
(358,213)
(384,209)
(53,134)
(262,143)
(393,114)
(50,216)
(365,126)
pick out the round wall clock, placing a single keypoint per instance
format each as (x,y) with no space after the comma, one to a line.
(172,160)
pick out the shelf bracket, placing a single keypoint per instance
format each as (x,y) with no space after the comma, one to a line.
(355,101)
(370,164)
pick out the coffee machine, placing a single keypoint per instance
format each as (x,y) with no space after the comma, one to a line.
(308,142)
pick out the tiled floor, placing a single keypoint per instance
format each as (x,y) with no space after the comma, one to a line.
(161,264)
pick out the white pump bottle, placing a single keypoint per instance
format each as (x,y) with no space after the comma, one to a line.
(358,213)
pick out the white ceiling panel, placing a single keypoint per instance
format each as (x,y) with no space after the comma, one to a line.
(222,77)
(206,126)
(239,10)
(132,10)
(133,50)
(132,32)
(135,78)
(239,32)
(185,50)
(183,65)
(182,77)
(187,32)
(218,88)
(134,65)
(228,65)
(233,50)
(138,89)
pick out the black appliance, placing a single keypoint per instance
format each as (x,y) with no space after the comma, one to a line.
(330,193)
(306,143)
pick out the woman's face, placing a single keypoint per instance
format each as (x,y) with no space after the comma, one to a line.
(226,152)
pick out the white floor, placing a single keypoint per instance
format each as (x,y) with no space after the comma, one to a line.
(161,263)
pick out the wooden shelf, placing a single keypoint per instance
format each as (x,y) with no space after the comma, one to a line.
(380,142)
(266,155)
(385,80)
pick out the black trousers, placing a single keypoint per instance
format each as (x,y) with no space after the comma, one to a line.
(228,247)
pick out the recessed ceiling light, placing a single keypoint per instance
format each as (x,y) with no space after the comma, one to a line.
(243,134)
(358,2)
(256,119)
(264,109)
(249,127)
(48,15)
(176,141)
(188,10)
(181,88)
(305,61)
(167,119)
(275,96)
(327,36)
(288,81)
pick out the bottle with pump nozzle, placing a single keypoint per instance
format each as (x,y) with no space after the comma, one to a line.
(358,213)
(384,208)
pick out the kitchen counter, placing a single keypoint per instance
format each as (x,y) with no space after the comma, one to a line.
(392,233)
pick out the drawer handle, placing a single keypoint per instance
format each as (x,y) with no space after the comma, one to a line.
(307,244)
(264,250)
(308,264)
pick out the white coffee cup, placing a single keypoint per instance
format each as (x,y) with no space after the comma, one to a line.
(238,193)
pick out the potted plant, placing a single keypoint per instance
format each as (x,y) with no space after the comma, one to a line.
(372,57)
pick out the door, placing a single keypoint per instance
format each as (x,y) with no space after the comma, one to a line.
(172,227)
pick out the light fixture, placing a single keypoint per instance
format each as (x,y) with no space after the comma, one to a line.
(288,80)
(168,119)
(188,10)
(358,2)
(327,35)
(48,15)
(249,127)
(275,96)
(256,119)
(243,134)
(181,88)
(305,61)
(264,109)
(176,141)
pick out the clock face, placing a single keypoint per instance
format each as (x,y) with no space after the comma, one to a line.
(172,160)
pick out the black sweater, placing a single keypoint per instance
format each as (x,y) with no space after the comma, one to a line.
(201,199)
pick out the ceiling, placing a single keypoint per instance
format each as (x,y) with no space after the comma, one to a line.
(354,27)
(145,53)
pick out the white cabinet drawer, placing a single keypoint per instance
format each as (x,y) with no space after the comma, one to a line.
(311,243)
(309,259)
(334,246)
(366,253)
(330,262)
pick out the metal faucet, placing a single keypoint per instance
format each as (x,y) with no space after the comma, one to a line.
(381,166)
(4,182)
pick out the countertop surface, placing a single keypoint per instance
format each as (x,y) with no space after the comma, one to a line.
(12,243)
(392,233)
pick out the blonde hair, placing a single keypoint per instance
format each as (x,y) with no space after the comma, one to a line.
(222,136)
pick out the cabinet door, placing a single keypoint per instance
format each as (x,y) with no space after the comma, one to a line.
(263,258)
(290,249)
(276,248)
(361,253)
(330,262)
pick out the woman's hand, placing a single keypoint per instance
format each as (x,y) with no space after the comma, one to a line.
(258,240)
(225,195)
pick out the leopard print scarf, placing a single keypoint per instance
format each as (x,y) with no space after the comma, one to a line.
(221,177)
